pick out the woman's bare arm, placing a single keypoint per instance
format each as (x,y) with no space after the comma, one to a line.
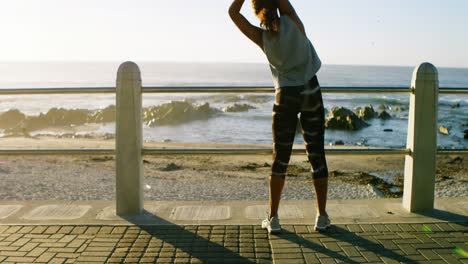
(286,8)
(252,32)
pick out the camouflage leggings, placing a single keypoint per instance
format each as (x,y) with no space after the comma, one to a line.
(290,101)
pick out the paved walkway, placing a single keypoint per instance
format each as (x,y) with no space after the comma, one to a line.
(353,243)
(364,231)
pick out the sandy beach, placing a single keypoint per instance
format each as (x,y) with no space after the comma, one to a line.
(204,177)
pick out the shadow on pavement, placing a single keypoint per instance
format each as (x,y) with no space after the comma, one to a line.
(188,241)
(342,235)
(445,216)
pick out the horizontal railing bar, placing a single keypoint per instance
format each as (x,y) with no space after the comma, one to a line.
(226,151)
(28,152)
(266,89)
(259,151)
(215,89)
(62,90)
(452,151)
(445,90)
(267,151)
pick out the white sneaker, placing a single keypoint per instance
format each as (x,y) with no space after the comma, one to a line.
(322,223)
(272,225)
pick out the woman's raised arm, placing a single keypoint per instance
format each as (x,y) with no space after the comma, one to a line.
(252,32)
(285,8)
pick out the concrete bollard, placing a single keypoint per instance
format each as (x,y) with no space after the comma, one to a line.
(420,165)
(129,141)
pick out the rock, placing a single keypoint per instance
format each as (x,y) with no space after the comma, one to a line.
(443,130)
(339,143)
(176,112)
(171,167)
(106,115)
(384,115)
(238,108)
(65,117)
(388,130)
(466,134)
(54,117)
(457,105)
(382,107)
(366,112)
(344,119)
(11,118)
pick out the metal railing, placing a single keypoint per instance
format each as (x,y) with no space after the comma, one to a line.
(214,89)
(421,141)
(219,89)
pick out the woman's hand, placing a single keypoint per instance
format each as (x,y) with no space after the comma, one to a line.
(235,7)
(252,32)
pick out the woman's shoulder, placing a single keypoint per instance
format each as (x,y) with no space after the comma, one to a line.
(285,18)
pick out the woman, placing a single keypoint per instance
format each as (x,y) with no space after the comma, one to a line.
(294,64)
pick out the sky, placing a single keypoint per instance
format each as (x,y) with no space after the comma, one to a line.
(357,32)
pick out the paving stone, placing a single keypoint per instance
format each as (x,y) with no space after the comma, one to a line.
(36,252)
(8,210)
(327,260)
(370,256)
(65,229)
(57,212)
(429,254)
(20,259)
(45,257)
(57,261)
(91,259)
(289,261)
(68,255)
(449,258)
(201,213)
(394,227)
(28,247)
(285,212)
(351,252)
(13,237)
(52,230)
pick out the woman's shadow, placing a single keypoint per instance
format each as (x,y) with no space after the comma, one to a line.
(339,234)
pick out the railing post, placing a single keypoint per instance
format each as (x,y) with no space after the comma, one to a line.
(129,141)
(420,165)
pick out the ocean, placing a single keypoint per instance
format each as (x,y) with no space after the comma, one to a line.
(248,127)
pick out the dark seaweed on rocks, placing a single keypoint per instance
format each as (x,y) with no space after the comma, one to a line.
(238,108)
(177,112)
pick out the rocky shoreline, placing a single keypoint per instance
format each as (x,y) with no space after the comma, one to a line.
(15,123)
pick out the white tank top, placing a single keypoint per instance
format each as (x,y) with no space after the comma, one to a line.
(292,57)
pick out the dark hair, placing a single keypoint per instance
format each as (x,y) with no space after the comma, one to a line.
(267,12)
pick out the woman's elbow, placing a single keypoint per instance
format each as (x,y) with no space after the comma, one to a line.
(232,12)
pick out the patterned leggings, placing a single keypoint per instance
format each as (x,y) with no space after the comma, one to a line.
(290,101)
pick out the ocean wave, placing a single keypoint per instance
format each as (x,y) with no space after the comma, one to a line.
(454,103)
(234,98)
(372,100)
